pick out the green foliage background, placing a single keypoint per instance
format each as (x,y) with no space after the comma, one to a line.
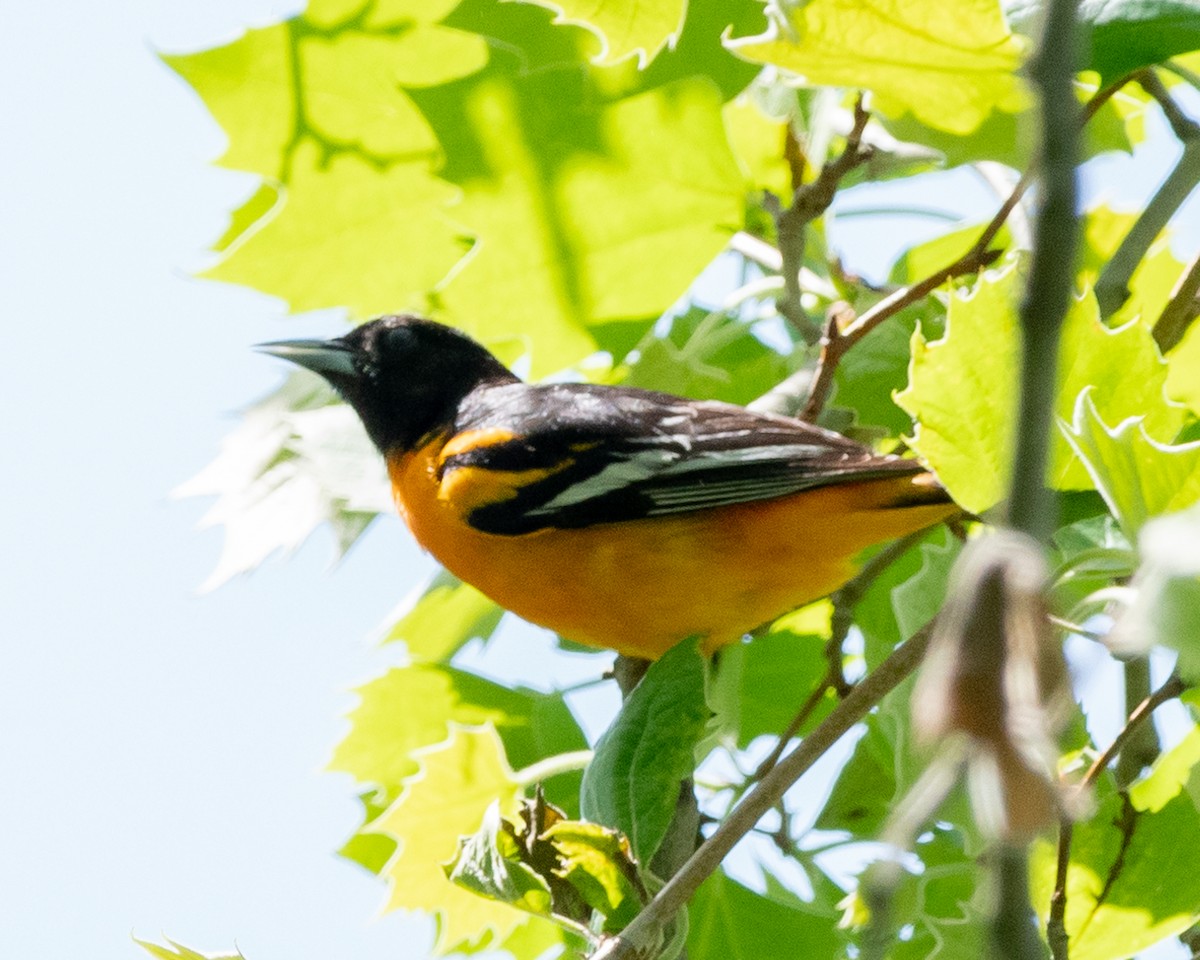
(554,181)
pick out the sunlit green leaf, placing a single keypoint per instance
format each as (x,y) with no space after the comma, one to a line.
(1138,477)
(410,708)
(949,65)
(441,617)
(962,388)
(457,782)
(1130,883)
(597,862)
(629,27)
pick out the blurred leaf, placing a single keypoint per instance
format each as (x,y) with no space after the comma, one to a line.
(628,27)
(962,388)
(1123,35)
(950,66)
(1008,137)
(298,459)
(440,617)
(1089,555)
(371,851)
(1138,477)
(1166,605)
(760,686)
(708,356)
(875,612)
(1131,881)
(917,600)
(177,951)
(949,917)
(869,375)
(457,782)
(633,781)
(411,708)
(727,921)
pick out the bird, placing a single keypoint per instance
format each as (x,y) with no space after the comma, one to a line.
(621,518)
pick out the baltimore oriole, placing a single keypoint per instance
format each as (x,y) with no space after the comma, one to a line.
(621,518)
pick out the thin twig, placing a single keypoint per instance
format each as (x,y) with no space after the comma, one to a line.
(1056,923)
(1181,309)
(765,795)
(844,601)
(1056,930)
(809,201)
(835,344)
(1171,689)
(1112,286)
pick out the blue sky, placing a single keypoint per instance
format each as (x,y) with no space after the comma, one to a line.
(161,750)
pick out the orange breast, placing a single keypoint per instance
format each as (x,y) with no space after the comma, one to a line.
(641,586)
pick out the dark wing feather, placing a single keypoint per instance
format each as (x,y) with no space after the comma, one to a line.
(636,453)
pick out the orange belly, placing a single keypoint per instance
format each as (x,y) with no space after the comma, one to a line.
(641,586)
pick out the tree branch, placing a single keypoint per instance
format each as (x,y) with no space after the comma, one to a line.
(1056,930)
(1181,309)
(634,939)
(1112,287)
(809,201)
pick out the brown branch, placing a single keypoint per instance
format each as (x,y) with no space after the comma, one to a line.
(1056,923)
(836,343)
(809,201)
(844,601)
(1181,309)
(643,931)
(1171,689)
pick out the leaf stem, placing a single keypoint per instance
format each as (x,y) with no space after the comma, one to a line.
(552,766)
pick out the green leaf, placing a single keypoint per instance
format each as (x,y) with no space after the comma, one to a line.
(371,851)
(1172,773)
(727,921)
(1124,35)
(1183,378)
(410,708)
(949,915)
(589,215)
(875,614)
(633,781)
(628,27)
(1009,137)
(962,388)
(1138,477)
(177,951)
(949,65)
(760,686)
(457,782)
(598,863)
(488,863)
(1131,881)
(440,618)
(297,460)
(708,356)
(917,600)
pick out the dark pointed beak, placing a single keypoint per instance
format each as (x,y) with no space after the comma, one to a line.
(330,358)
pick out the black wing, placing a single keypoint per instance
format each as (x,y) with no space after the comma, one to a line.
(614,454)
